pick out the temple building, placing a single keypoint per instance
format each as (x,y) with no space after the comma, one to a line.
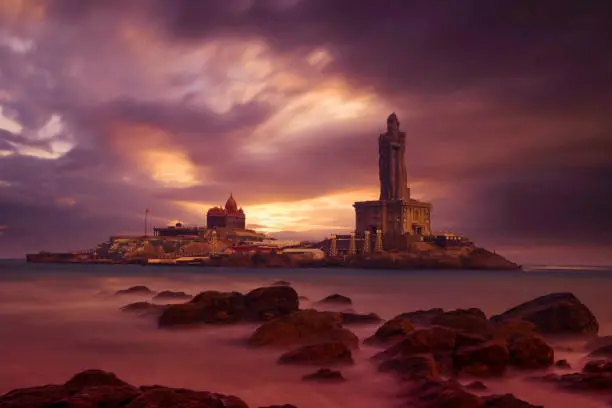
(229,216)
(399,217)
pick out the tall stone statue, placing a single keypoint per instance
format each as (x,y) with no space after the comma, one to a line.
(391,164)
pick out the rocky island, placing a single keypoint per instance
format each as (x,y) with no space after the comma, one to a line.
(393,232)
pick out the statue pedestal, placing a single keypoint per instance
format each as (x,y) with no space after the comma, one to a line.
(401,221)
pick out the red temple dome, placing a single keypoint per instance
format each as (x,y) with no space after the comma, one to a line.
(230,205)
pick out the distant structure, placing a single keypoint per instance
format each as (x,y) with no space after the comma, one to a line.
(177,230)
(399,217)
(229,216)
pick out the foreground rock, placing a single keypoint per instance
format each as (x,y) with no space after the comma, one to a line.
(332,353)
(170,295)
(304,327)
(325,375)
(214,307)
(97,388)
(139,290)
(556,313)
(458,353)
(450,394)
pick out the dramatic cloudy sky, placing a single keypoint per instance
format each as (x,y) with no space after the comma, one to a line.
(109,107)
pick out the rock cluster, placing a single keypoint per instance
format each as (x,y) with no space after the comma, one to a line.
(97,388)
(420,347)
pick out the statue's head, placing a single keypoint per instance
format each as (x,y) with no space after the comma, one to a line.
(392,123)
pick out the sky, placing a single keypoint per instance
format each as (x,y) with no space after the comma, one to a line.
(108,108)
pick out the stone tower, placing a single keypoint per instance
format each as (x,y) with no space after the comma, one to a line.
(391,162)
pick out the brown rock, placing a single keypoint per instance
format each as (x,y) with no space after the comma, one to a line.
(480,258)
(391,332)
(325,375)
(556,313)
(91,378)
(432,340)
(530,352)
(511,327)
(468,320)
(319,354)
(144,308)
(598,366)
(419,367)
(135,290)
(273,301)
(442,394)
(304,327)
(156,396)
(476,385)
(422,317)
(207,307)
(483,360)
(337,299)
(97,388)
(604,351)
(563,364)
(356,318)
(505,401)
(170,295)
(281,283)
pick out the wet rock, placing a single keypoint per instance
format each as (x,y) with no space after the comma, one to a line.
(325,375)
(97,388)
(144,308)
(563,364)
(304,327)
(336,299)
(356,318)
(598,366)
(441,394)
(412,368)
(422,317)
(488,359)
(331,353)
(476,386)
(469,340)
(281,283)
(530,352)
(391,332)
(270,302)
(170,295)
(505,401)
(556,313)
(432,340)
(471,320)
(135,290)
(511,327)
(605,351)
(92,378)
(481,258)
(157,396)
(209,307)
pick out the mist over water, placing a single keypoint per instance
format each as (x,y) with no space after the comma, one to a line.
(55,321)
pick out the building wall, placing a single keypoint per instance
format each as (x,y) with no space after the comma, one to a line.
(215,221)
(393,217)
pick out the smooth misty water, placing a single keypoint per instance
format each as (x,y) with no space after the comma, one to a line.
(54,322)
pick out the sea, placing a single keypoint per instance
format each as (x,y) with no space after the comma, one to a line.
(59,319)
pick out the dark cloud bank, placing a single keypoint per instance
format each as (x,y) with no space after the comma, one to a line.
(513,116)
